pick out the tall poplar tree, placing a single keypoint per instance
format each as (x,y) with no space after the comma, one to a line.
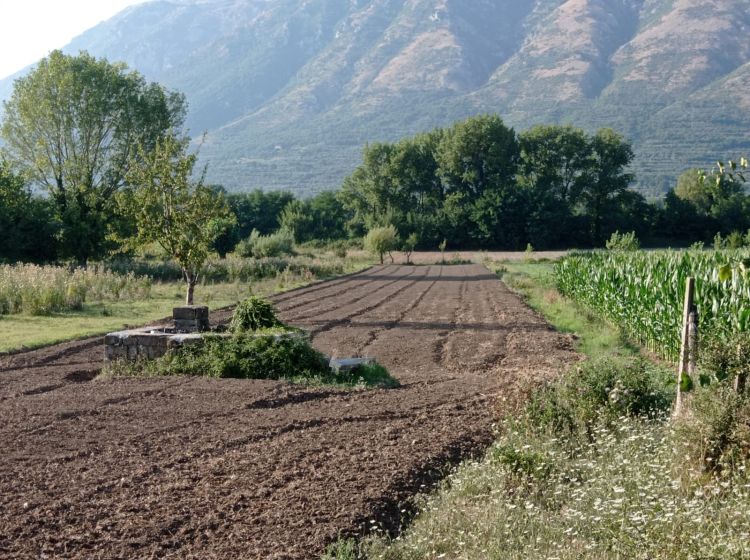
(73,123)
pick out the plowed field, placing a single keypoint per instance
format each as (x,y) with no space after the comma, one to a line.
(198,468)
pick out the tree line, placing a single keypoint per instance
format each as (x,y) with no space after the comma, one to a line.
(78,131)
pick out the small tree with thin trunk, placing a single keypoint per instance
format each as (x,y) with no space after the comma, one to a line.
(183,216)
(381,240)
(409,245)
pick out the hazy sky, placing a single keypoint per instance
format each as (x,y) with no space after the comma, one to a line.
(29,29)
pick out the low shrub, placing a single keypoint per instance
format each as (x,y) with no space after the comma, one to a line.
(623,242)
(277,353)
(369,375)
(381,240)
(235,268)
(262,246)
(598,391)
(714,435)
(339,248)
(726,359)
(247,357)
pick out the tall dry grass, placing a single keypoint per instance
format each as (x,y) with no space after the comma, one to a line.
(40,290)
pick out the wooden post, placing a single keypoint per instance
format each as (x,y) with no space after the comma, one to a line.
(741,380)
(682,366)
(692,342)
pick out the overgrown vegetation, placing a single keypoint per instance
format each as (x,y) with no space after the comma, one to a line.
(42,290)
(623,242)
(253,314)
(278,244)
(279,353)
(260,346)
(238,269)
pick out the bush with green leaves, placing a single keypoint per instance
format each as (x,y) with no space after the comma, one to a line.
(278,353)
(381,240)
(262,246)
(247,356)
(339,248)
(714,437)
(623,242)
(726,359)
(252,314)
(408,246)
(600,390)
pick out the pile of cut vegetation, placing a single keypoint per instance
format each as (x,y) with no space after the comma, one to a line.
(256,345)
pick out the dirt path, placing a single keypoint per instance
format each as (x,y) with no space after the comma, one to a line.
(199,468)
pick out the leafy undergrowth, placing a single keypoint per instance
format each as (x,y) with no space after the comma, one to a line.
(592,468)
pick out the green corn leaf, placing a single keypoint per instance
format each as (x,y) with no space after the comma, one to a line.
(725,273)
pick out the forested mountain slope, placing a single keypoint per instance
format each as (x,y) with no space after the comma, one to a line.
(290,90)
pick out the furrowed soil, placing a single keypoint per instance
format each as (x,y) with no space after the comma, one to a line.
(188,467)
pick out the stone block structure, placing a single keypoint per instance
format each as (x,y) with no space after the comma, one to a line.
(146,343)
(191,318)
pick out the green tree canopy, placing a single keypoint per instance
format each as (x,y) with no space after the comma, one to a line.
(606,187)
(73,123)
(27,228)
(692,188)
(184,217)
(478,154)
(381,240)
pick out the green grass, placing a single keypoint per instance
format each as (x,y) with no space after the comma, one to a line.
(24,331)
(31,331)
(535,282)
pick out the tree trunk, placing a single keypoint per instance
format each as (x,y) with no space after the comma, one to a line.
(381,258)
(190,290)
(191,280)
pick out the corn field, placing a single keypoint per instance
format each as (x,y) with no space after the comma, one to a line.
(40,290)
(642,292)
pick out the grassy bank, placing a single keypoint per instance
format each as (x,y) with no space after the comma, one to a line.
(591,468)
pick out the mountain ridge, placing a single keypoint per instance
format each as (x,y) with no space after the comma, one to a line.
(288,91)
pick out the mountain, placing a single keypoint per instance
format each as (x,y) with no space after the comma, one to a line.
(288,91)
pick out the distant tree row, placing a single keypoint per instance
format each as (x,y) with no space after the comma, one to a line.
(479,184)
(105,148)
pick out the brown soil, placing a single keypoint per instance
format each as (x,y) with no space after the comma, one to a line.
(456,257)
(198,468)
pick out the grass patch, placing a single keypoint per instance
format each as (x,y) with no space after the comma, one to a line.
(29,331)
(536,284)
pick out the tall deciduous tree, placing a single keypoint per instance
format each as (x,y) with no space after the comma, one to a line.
(553,171)
(478,154)
(72,123)
(478,161)
(184,217)
(606,187)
